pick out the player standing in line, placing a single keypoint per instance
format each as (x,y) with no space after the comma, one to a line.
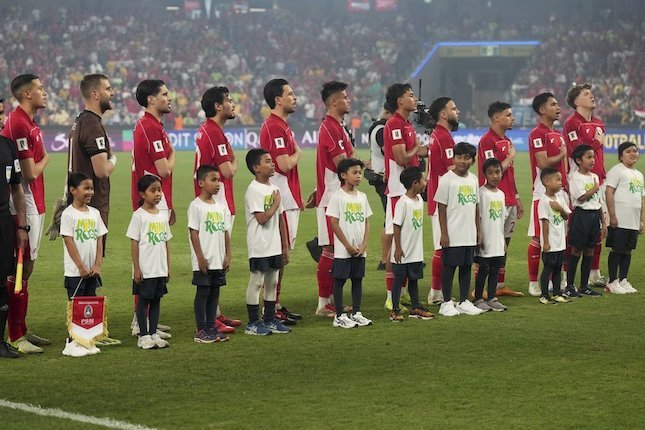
(277,139)
(444,111)
(584,128)
(334,145)
(547,148)
(495,144)
(401,149)
(153,154)
(213,148)
(21,128)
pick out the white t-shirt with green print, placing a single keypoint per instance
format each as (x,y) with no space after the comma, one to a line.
(152,231)
(262,240)
(211,221)
(557,223)
(352,211)
(492,214)
(460,195)
(408,214)
(630,190)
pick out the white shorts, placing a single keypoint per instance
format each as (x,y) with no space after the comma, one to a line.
(389,214)
(230,232)
(36,222)
(325,234)
(436,232)
(291,218)
(509,222)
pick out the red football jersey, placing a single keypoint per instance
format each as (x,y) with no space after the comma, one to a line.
(543,139)
(491,145)
(577,131)
(332,141)
(151,143)
(397,131)
(212,147)
(26,134)
(277,138)
(441,159)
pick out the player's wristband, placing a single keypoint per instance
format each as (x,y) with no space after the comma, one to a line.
(112,159)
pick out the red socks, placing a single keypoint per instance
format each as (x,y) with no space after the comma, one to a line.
(437,267)
(325,281)
(533,258)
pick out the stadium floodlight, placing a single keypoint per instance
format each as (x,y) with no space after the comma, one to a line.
(172,8)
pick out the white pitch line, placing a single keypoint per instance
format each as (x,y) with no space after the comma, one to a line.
(58,413)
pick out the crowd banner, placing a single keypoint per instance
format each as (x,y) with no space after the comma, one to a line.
(307,137)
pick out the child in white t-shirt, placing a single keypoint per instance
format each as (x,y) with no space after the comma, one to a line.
(407,247)
(491,251)
(149,233)
(552,211)
(81,228)
(458,210)
(625,195)
(209,224)
(266,243)
(349,210)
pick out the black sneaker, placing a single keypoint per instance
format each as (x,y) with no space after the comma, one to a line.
(381,266)
(587,291)
(6,351)
(571,292)
(284,318)
(315,250)
(291,315)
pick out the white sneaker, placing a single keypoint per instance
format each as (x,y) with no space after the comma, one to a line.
(550,287)
(146,342)
(627,286)
(435,297)
(615,287)
(159,341)
(26,347)
(343,321)
(92,350)
(134,325)
(534,289)
(73,349)
(163,334)
(163,327)
(467,307)
(359,319)
(448,309)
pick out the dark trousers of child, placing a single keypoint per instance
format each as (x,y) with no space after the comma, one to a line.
(357,294)
(585,270)
(551,272)
(205,304)
(488,268)
(413,289)
(618,263)
(148,315)
(447,275)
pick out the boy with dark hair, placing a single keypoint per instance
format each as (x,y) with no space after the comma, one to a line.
(458,213)
(349,211)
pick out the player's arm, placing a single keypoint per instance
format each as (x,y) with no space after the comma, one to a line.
(102,165)
(543,161)
(403,157)
(286,162)
(197,247)
(75,256)
(32,170)
(264,217)
(164,165)
(228,169)
(284,241)
(18,196)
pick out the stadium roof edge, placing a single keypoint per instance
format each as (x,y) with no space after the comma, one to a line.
(471,43)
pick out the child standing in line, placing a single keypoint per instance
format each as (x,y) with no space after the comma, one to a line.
(349,210)
(458,209)
(209,223)
(407,256)
(587,221)
(149,232)
(491,251)
(81,228)
(552,211)
(266,243)
(626,206)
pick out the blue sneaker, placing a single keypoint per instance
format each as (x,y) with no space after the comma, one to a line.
(257,328)
(277,327)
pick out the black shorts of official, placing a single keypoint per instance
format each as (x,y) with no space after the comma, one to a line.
(553,259)
(86,286)
(621,239)
(412,271)
(498,261)
(264,264)
(348,268)
(8,244)
(151,288)
(212,278)
(584,228)
(457,256)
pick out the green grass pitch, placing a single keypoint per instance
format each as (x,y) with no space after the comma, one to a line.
(566,366)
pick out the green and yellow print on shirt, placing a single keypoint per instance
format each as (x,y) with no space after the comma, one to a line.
(214,222)
(417,219)
(354,212)
(268,201)
(85,230)
(495,209)
(635,186)
(466,195)
(157,233)
(589,186)
(556,217)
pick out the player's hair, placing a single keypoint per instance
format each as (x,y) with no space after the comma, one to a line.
(1,100)
(74,179)
(465,148)
(274,88)
(437,106)
(579,152)
(19,83)
(211,96)
(540,100)
(574,92)
(90,83)
(345,164)
(547,172)
(146,88)
(144,183)
(253,158)
(204,170)
(330,88)
(491,162)
(392,95)
(410,175)
(623,146)
(497,107)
